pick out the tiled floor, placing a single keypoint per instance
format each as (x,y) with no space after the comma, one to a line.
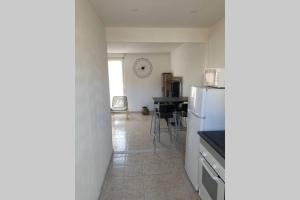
(139,173)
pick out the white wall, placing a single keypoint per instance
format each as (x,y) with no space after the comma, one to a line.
(163,35)
(140,91)
(216,45)
(93,121)
(188,61)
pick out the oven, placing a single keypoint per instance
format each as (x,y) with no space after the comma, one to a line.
(211,186)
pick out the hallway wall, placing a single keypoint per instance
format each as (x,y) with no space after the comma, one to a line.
(216,45)
(93,121)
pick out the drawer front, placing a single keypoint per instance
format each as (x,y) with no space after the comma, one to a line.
(213,162)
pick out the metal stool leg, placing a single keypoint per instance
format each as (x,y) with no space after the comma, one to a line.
(155,130)
(154,141)
(176,128)
(170,131)
(151,123)
(158,129)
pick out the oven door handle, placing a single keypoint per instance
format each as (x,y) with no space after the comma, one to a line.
(214,176)
(211,173)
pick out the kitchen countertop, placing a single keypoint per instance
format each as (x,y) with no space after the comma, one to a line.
(216,139)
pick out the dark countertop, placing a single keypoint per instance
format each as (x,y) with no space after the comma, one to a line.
(216,139)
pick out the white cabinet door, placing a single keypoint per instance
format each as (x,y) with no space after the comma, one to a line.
(192,150)
(188,146)
(197,95)
(214,110)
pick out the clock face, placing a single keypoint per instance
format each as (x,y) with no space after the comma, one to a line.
(142,67)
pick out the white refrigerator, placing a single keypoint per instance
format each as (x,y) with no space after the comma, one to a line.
(206,111)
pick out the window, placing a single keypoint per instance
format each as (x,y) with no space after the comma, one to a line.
(115,73)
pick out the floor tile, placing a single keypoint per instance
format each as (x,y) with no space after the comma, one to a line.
(134,183)
(137,171)
(156,194)
(133,194)
(114,184)
(119,161)
(112,195)
(133,170)
(117,171)
(153,181)
(153,168)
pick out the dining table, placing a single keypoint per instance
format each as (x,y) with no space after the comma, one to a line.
(158,100)
(166,100)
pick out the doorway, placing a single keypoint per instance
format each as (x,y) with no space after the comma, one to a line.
(115,73)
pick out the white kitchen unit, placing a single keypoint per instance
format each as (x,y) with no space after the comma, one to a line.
(206,111)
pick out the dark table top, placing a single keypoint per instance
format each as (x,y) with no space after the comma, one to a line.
(216,139)
(170,99)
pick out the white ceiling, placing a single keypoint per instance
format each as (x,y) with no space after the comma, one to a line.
(116,47)
(160,13)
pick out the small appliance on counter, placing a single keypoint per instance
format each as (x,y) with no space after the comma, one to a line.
(214,77)
(211,176)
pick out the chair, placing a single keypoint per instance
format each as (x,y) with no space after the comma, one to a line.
(164,111)
(178,118)
(183,111)
(120,104)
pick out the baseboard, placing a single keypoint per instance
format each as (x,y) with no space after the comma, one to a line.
(106,174)
(133,112)
(128,112)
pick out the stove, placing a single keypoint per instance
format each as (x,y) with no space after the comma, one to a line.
(216,139)
(212,165)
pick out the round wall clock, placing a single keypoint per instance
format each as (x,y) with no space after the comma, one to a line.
(142,67)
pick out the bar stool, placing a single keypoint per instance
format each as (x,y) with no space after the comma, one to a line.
(179,116)
(164,111)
